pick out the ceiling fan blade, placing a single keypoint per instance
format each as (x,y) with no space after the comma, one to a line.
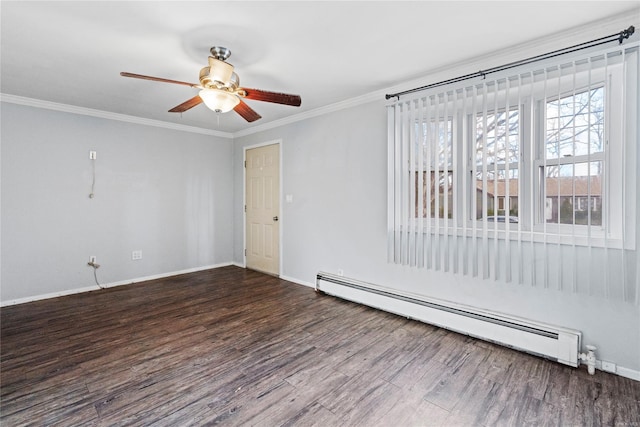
(157,79)
(187,105)
(275,97)
(246,112)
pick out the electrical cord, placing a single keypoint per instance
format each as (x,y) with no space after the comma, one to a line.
(92,263)
(95,273)
(95,276)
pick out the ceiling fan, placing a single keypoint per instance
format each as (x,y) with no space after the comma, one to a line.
(220,89)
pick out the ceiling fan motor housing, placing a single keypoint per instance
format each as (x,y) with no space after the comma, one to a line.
(219,75)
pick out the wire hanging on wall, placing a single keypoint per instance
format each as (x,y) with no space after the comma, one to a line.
(92,157)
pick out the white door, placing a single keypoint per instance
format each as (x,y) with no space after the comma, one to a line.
(262,208)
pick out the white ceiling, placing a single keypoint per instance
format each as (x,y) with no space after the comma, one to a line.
(327,52)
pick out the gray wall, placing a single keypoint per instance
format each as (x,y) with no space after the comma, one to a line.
(335,166)
(165,192)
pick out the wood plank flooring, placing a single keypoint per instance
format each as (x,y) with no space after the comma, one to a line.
(235,347)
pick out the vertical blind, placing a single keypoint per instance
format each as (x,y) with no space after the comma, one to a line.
(528,177)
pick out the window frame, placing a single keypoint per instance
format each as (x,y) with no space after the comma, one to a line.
(531,195)
(538,222)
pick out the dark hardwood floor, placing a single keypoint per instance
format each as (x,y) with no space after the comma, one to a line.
(235,347)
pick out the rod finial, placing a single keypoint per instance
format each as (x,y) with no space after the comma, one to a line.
(625,34)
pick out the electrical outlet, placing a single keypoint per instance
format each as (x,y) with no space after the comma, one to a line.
(609,367)
(136,255)
(340,272)
(92,262)
(93,155)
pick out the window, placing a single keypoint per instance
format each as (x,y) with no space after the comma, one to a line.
(574,159)
(437,184)
(496,145)
(542,155)
(564,185)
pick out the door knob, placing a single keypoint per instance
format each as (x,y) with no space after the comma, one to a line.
(275,218)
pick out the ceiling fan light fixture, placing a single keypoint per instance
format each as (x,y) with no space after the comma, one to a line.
(218,100)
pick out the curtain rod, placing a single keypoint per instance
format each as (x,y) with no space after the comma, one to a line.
(624,34)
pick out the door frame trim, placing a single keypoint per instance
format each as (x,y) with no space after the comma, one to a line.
(280,205)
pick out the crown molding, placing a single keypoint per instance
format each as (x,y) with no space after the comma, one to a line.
(352,102)
(38,103)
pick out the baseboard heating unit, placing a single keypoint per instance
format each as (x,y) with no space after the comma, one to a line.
(544,340)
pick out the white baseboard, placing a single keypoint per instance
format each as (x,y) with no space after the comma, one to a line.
(110,285)
(297,281)
(620,371)
(628,373)
(48,296)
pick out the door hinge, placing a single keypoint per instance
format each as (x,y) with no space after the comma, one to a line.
(245,208)
(245,164)
(245,252)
